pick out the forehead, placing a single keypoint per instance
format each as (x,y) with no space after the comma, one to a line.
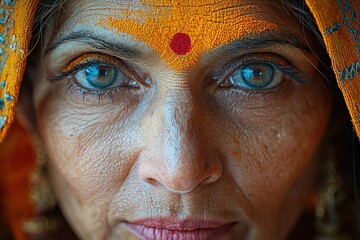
(180,31)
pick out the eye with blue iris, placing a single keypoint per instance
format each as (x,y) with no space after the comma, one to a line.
(102,77)
(259,74)
(256,76)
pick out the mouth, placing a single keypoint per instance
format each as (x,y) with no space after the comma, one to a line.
(161,228)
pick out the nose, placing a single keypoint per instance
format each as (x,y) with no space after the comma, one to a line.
(179,155)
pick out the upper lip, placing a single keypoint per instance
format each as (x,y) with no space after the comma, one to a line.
(179,225)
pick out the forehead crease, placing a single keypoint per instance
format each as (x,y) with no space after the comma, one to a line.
(209,23)
(211,8)
(192,15)
(181,13)
(194,3)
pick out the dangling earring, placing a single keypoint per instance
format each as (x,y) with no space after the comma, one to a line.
(43,197)
(327,220)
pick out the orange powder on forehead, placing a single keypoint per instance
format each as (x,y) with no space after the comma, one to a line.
(180,31)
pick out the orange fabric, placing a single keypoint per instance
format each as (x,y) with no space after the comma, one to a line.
(16,154)
(17,159)
(16,30)
(338,22)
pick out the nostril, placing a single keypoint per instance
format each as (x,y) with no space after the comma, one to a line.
(173,184)
(151,181)
(208,180)
(182,174)
(179,181)
(179,191)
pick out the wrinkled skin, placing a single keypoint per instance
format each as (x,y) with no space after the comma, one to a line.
(181,145)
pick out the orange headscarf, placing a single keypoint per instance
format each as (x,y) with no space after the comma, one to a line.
(16,153)
(339,23)
(337,20)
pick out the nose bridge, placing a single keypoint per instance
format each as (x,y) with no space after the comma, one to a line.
(182,136)
(178,158)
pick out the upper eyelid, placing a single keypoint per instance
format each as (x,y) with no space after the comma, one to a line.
(63,74)
(84,65)
(266,57)
(94,57)
(85,60)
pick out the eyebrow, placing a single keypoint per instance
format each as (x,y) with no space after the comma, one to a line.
(96,41)
(266,39)
(249,42)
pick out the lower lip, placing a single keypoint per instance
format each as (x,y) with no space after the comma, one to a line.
(150,233)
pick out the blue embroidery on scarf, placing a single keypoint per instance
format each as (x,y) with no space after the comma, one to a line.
(9,2)
(358,109)
(333,28)
(350,72)
(2,121)
(7,20)
(8,97)
(350,20)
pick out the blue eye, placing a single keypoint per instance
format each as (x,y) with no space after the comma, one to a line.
(257,76)
(102,77)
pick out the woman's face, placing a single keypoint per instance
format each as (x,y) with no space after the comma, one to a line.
(176,120)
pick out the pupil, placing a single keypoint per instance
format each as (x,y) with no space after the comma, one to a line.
(258,75)
(100,76)
(103,72)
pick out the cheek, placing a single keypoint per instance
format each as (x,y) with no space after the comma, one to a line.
(98,152)
(86,142)
(270,148)
(89,157)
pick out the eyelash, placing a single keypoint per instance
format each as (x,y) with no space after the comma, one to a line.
(79,91)
(62,75)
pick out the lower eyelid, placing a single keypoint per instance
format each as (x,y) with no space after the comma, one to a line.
(76,91)
(258,98)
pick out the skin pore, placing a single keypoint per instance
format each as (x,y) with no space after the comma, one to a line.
(179,136)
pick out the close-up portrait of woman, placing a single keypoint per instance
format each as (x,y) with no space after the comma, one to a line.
(179,120)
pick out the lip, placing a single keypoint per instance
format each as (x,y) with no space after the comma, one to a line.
(162,228)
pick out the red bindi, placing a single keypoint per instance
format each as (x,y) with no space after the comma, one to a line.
(181,43)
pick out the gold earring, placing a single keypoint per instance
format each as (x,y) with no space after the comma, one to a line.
(43,197)
(327,222)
